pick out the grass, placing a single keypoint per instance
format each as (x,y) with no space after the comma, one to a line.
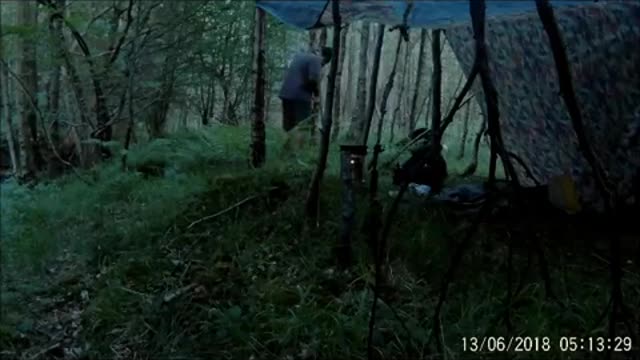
(129,278)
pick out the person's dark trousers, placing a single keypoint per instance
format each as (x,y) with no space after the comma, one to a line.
(294,112)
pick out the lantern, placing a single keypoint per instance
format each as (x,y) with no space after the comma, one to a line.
(353,160)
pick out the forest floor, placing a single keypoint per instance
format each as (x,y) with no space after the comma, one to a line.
(130,266)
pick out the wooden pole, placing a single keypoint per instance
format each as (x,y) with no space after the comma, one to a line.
(258,147)
(414,101)
(436,89)
(343,250)
(6,111)
(373,85)
(27,76)
(337,114)
(313,197)
(618,309)
(568,94)
(478,9)
(465,132)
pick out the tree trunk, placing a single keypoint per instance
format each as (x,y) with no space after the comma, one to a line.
(337,95)
(184,117)
(225,103)
(406,101)
(53,101)
(258,146)
(158,119)
(211,100)
(130,124)
(465,132)
(436,87)
(400,97)
(347,108)
(313,36)
(419,76)
(373,85)
(313,198)
(428,108)
(356,127)
(388,87)
(6,110)
(73,136)
(28,73)
(322,42)
(74,79)
(104,130)
(323,38)
(207,96)
(471,168)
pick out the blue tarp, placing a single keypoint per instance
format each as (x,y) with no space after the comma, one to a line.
(308,14)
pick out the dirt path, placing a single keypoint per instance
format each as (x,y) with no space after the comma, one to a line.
(50,321)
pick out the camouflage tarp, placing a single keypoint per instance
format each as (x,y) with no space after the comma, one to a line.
(601,43)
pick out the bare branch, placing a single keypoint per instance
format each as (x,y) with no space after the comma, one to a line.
(41,117)
(116,50)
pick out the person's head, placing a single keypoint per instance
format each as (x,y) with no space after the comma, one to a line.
(327,54)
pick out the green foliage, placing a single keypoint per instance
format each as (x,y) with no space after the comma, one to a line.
(254,281)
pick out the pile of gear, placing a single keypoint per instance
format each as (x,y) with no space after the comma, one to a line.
(426,166)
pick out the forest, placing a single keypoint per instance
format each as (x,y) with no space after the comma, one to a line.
(153,207)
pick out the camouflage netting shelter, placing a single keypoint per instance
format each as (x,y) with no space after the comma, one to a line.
(601,39)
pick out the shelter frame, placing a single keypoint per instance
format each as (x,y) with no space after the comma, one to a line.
(477,10)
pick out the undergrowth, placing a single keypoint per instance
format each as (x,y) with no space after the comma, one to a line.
(150,273)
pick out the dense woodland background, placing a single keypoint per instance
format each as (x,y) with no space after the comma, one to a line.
(79,73)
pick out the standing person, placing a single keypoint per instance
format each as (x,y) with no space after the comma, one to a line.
(300,88)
